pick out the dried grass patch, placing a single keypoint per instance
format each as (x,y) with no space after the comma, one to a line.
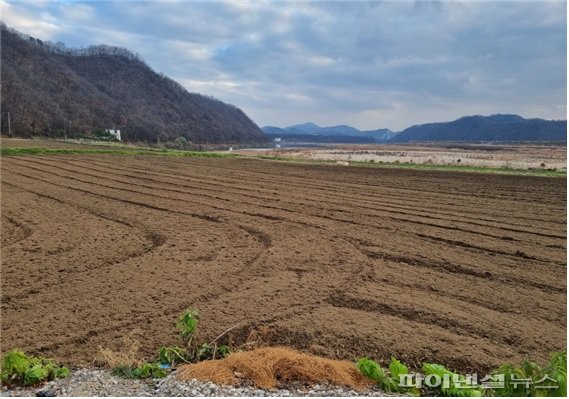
(270,366)
(127,356)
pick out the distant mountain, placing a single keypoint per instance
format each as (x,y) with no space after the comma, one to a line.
(298,138)
(49,89)
(381,135)
(274,130)
(330,134)
(487,128)
(304,128)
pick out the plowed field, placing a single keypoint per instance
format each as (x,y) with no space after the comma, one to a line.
(460,268)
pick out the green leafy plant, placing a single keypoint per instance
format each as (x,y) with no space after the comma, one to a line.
(60,372)
(457,384)
(212,351)
(204,352)
(388,381)
(172,355)
(223,351)
(35,374)
(513,376)
(548,381)
(15,362)
(527,379)
(148,370)
(371,369)
(397,369)
(188,324)
(557,369)
(145,370)
(17,368)
(122,371)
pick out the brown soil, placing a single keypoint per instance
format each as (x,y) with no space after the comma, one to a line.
(464,269)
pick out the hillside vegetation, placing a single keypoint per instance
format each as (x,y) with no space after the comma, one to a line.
(487,128)
(50,90)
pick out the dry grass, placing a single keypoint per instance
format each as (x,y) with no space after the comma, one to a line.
(258,337)
(520,156)
(127,356)
(267,367)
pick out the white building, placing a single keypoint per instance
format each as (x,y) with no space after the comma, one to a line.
(115,133)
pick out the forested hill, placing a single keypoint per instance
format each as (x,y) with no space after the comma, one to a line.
(487,128)
(49,90)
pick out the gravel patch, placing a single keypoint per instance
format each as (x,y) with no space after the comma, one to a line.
(94,382)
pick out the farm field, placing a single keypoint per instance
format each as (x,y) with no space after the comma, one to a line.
(511,156)
(465,269)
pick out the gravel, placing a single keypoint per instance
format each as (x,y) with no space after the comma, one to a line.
(94,382)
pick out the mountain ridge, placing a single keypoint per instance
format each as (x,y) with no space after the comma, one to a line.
(49,89)
(473,128)
(309,128)
(479,128)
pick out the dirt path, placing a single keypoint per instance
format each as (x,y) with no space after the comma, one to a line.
(464,269)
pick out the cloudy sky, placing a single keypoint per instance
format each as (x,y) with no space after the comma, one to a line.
(368,64)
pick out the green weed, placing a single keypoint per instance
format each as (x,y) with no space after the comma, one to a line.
(212,351)
(170,356)
(451,384)
(145,370)
(148,370)
(528,379)
(187,324)
(20,369)
(557,369)
(388,381)
(538,376)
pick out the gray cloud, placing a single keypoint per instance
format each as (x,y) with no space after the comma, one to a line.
(370,64)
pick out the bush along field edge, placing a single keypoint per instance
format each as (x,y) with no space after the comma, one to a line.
(527,379)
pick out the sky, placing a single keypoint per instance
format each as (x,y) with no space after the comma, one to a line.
(367,64)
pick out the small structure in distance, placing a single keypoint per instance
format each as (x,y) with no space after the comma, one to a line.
(115,133)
